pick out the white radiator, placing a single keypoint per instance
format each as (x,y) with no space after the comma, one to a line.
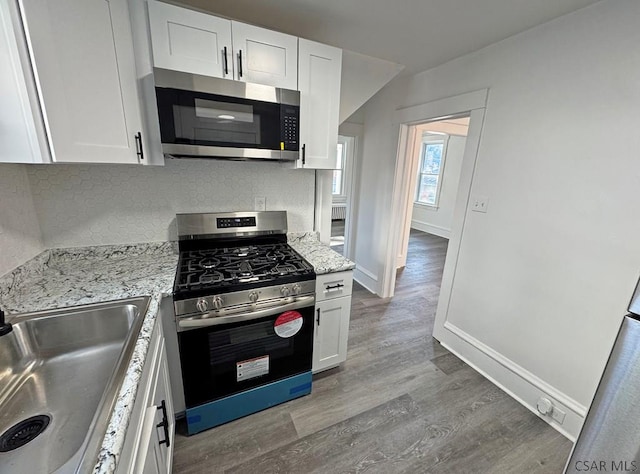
(338,212)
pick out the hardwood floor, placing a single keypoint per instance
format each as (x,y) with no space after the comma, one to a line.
(337,236)
(400,403)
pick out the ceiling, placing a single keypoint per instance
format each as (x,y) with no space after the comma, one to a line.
(419,34)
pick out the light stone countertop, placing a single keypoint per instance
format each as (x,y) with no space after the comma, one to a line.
(319,255)
(68,277)
(60,278)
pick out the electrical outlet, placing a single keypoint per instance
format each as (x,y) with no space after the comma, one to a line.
(260,203)
(480,203)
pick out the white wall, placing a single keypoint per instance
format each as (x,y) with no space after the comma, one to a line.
(437,220)
(81,205)
(362,77)
(543,278)
(19,231)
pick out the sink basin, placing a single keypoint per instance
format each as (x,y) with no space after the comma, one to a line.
(60,373)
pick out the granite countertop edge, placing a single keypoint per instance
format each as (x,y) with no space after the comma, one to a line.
(113,442)
(320,256)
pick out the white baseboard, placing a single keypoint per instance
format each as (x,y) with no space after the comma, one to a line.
(366,278)
(518,382)
(431,229)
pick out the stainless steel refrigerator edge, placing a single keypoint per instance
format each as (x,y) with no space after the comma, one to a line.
(610,437)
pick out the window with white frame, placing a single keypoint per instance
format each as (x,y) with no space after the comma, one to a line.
(337,186)
(342,173)
(432,158)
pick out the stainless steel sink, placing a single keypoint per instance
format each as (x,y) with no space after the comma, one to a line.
(60,373)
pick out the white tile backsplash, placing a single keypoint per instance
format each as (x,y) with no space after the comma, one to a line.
(20,238)
(80,205)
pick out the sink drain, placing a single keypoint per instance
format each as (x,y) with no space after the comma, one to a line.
(23,432)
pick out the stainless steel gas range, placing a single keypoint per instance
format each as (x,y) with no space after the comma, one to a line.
(244,304)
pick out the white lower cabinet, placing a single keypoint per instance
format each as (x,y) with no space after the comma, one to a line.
(333,311)
(149,438)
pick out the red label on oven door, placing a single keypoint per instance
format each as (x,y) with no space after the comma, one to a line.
(288,324)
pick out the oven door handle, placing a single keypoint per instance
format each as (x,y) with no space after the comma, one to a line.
(200,321)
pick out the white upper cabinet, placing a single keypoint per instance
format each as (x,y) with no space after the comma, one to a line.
(195,42)
(320,72)
(265,56)
(22,135)
(190,41)
(83,60)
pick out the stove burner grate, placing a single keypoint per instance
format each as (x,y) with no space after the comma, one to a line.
(221,267)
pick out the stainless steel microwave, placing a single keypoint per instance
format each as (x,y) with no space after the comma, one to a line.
(203,117)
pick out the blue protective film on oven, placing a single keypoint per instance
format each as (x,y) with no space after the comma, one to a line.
(241,404)
(301,388)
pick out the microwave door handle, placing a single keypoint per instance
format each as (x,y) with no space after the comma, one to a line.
(200,322)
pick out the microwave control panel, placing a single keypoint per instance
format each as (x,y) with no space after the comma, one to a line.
(290,132)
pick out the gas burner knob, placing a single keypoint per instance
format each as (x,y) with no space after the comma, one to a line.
(285,291)
(217,302)
(253,296)
(202,305)
(295,289)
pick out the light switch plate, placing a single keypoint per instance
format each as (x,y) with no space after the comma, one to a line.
(479,203)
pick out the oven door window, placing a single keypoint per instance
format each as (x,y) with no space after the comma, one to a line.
(218,361)
(196,118)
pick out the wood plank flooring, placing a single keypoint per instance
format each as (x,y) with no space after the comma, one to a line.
(337,236)
(400,403)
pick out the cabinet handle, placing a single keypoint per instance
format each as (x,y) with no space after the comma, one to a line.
(318,317)
(226,64)
(139,150)
(240,63)
(164,424)
(304,153)
(333,287)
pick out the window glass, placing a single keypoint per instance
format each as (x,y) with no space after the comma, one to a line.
(338,185)
(431,163)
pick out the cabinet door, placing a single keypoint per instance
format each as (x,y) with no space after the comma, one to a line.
(190,41)
(265,56)
(163,395)
(149,457)
(155,448)
(331,333)
(22,137)
(82,54)
(320,74)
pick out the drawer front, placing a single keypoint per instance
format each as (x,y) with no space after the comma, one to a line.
(334,285)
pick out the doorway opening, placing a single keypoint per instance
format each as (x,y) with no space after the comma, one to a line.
(472,105)
(434,153)
(341,192)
